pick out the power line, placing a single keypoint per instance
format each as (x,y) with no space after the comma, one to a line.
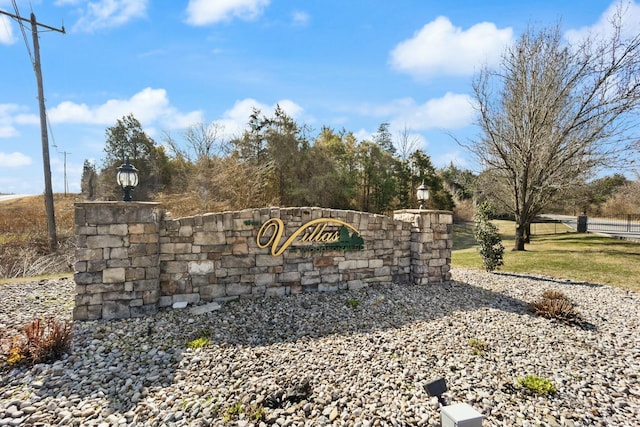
(7,27)
(26,43)
(24,34)
(48,199)
(20,20)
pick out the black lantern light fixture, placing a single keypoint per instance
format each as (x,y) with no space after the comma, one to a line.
(422,195)
(127,178)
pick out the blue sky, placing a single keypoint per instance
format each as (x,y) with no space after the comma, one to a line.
(343,64)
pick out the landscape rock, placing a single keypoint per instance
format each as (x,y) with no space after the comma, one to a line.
(180,304)
(322,359)
(205,308)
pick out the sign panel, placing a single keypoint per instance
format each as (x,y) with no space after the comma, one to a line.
(317,235)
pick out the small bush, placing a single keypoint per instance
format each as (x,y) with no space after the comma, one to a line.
(252,412)
(232,412)
(479,348)
(202,340)
(486,234)
(556,305)
(43,340)
(353,302)
(537,385)
(256,413)
(199,343)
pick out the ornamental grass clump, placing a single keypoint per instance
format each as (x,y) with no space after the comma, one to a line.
(43,340)
(556,305)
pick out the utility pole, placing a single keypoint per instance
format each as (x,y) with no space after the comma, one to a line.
(48,189)
(66,185)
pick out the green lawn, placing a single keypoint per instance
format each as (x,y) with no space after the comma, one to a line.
(558,252)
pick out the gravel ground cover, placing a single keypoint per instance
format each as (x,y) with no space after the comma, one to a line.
(358,358)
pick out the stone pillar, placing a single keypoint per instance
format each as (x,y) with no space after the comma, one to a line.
(117,259)
(431,243)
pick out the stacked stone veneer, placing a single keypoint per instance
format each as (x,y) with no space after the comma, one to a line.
(117,259)
(133,259)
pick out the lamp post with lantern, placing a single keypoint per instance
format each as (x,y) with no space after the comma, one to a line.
(422,194)
(127,178)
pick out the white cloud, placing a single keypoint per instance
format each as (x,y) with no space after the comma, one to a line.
(603,28)
(234,120)
(10,115)
(14,160)
(203,12)
(455,157)
(300,19)
(108,14)
(291,108)
(419,139)
(449,112)
(27,119)
(148,106)
(6,31)
(6,110)
(439,48)
(364,135)
(452,111)
(7,131)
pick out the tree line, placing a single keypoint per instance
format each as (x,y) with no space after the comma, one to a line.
(274,162)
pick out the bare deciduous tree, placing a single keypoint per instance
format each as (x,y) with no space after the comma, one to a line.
(197,162)
(202,142)
(554,113)
(406,143)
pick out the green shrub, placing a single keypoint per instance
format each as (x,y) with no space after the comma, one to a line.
(256,413)
(353,302)
(486,234)
(232,412)
(537,385)
(479,348)
(202,339)
(251,412)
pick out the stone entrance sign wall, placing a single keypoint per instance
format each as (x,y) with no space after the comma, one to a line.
(132,258)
